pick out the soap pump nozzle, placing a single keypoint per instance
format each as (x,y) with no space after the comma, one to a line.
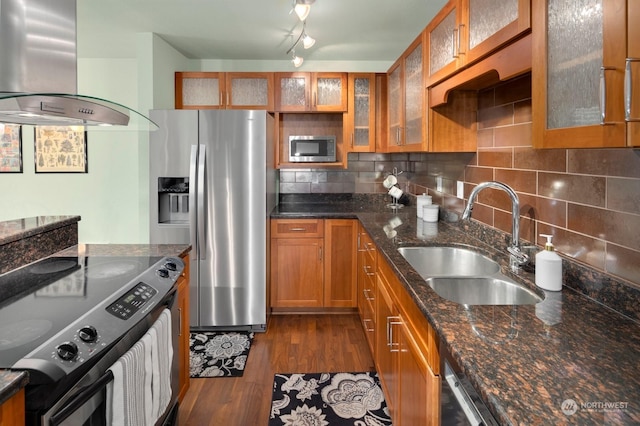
(548,246)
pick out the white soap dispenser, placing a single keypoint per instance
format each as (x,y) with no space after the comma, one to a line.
(548,267)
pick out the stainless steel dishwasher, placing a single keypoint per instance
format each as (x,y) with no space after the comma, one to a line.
(460,404)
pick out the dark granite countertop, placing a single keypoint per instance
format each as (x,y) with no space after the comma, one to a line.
(525,361)
(18,229)
(10,383)
(176,250)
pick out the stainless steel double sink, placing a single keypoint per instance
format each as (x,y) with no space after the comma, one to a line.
(464,276)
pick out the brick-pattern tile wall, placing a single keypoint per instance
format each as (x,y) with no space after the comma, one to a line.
(589,199)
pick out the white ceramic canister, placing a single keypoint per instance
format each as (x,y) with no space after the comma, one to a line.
(430,213)
(422,200)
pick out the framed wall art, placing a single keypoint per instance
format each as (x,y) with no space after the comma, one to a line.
(10,148)
(60,149)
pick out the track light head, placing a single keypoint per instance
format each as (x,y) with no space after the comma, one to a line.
(308,41)
(302,8)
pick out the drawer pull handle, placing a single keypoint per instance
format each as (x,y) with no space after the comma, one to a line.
(364,322)
(297,229)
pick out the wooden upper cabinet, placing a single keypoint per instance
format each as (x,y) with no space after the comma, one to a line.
(246,90)
(302,92)
(578,74)
(406,101)
(360,118)
(465,31)
(219,90)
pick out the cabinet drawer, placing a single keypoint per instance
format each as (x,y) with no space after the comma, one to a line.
(297,228)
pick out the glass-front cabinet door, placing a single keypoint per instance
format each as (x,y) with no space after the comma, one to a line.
(395,95)
(360,118)
(199,90)
(292,91)
(465,31)
(443,38)
(311,92)
(492,23)
(329,92)
(577,77)
(414,95)
(249,90)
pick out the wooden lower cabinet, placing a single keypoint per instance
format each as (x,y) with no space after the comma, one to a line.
(296,272)
(12,411)
(183,334)
(313,263)
(387,346)
(366,277)
(340,282)
(419,389)
(405,354)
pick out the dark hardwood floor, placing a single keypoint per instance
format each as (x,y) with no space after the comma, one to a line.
(291,344)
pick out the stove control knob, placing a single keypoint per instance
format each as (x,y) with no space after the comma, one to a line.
(163,273)
(67,351)
(88,334)
(171,266)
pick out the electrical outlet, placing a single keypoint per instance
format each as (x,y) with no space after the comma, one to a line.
(460,189)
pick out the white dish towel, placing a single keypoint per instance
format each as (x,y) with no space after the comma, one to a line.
(141,387)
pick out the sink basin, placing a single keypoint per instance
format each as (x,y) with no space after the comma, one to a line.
(466,277)
(448,261)
(483,291)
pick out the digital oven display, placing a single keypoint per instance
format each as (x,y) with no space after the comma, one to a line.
(131,302)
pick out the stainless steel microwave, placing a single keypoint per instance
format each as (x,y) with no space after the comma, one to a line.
(312,149)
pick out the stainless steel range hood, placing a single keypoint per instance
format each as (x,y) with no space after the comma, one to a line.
(38,69)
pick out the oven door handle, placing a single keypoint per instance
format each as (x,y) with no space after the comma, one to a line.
(81,398)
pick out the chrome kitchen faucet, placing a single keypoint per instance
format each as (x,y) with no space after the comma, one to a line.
(517,254)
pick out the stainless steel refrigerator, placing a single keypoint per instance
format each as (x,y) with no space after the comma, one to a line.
(213,185)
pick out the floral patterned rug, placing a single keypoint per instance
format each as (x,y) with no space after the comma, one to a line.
(217,354)
(328,399)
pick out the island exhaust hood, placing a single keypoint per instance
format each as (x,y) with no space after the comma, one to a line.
(38,69)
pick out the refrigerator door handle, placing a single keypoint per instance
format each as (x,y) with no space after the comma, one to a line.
(193,167)
(202,202)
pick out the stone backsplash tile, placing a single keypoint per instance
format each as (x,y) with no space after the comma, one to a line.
(497,157)
(615,227)
(543,209)
(540,159)
(623,195)
(605,162)
(497,116)
(519,180)
(516,135)
(582,189)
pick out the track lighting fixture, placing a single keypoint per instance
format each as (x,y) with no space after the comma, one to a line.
(302,8)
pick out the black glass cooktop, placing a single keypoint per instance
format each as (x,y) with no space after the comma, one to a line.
(42,298)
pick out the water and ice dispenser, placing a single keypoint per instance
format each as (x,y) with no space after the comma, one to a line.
(173,200)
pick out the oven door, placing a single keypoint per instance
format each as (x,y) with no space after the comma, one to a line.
(85,404)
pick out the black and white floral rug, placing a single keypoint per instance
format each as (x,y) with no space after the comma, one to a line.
(325,399)
(218,354)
